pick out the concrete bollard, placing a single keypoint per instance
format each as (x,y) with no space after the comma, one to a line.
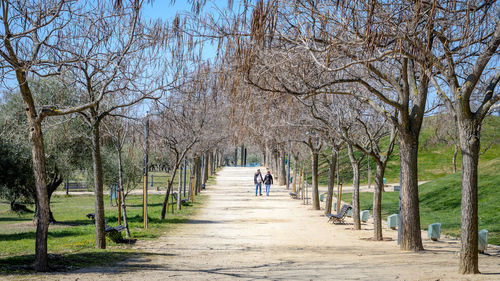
(483,240)
(434,231)
(322,196)
(363,216)
(349,213)
(392,221)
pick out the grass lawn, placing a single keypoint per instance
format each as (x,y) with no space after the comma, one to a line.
(71,240)
(440,201)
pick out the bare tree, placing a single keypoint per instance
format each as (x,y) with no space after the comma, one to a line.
(112,74)
(178,132)
(119,133)
(31,44)
(347,53)
(315,147)
(336,146)
(467,40)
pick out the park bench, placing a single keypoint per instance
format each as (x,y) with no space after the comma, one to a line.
(107,228)
(293,195)
(79,186)
(340,216)
(184,202)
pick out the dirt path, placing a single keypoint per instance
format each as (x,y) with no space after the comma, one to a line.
(241,236)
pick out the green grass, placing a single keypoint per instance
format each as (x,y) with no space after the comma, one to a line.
(160,179)
(440,202)
(71,241)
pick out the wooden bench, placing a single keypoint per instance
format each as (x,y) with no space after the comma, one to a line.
(293,195)
(340,216)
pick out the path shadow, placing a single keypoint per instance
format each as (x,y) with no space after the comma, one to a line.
(32,234)
(202,222)
(74,222)
(15,219)
(140,205)
(23,265)
(134,265)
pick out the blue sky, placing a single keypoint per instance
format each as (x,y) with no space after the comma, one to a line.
(165,10)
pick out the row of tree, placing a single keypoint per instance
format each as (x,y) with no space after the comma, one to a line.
(78,79)
(290,78)
(358,74)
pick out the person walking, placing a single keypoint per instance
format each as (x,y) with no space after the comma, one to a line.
(257,179)
(268,180)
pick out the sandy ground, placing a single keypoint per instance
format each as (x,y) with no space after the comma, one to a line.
(242,236)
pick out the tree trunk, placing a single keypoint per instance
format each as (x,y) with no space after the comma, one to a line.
(242,155)
(279,170)
(42,198)
(213,160)
(295,174)
(190,185)
(377,202)
(167,193)
(39,173)
(51,187)
(209,163)
(245,158)
(122,193)
(282,174)
(52,183)
(197,173)
(315,196)
(355,186)
(369,173)
(276,162)
(100,239)
(98,187)
(411,239)
(179,191)
(331,184)
(455,153)
(205,168)
(469,145)
(194,172)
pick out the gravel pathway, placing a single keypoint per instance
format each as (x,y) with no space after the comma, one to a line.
(242,236)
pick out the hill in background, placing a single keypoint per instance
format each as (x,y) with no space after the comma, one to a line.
(440,198)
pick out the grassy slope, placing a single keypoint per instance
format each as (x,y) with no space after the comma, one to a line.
(434,159)
(440,198)
(440,202)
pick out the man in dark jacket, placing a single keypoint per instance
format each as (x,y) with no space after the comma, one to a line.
(268,180)
(257,179)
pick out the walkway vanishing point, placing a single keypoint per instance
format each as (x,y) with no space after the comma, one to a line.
(239,236)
